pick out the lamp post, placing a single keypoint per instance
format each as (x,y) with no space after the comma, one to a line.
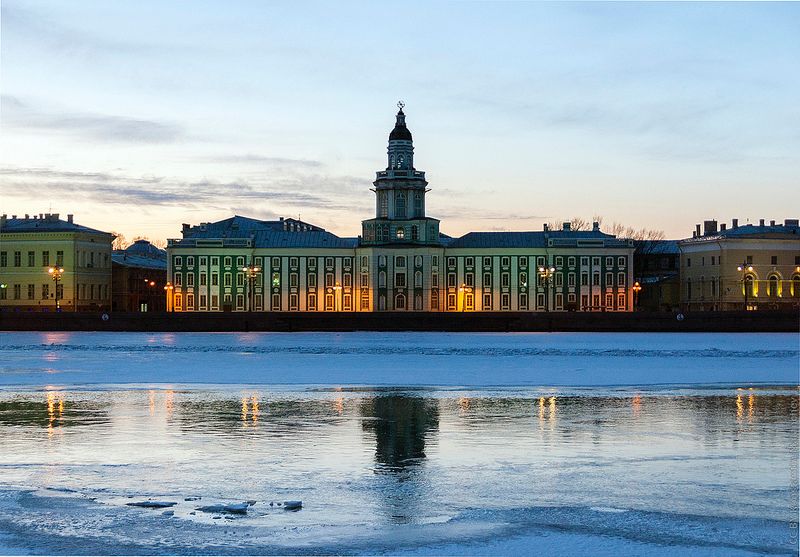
(55,273)
(168,288)
(546,276)
(636,289)
(250,273)
(336,288)
(464,290)
(745,268)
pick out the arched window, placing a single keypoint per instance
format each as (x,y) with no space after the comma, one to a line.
(796,286)
(418,279)
(435,300)
(391,161)
(400,204)
(401,233)
(400,301)
(385,234)
(772,286)
(414,232)
(400,161)
(382,279)
(418,302)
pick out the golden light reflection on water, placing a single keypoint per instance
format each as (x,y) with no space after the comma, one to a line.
(739,407)
(152,398)
(463,405)
(250,410)
(169,403)
(547,412)
(636,405)
(55,412)
(338,405)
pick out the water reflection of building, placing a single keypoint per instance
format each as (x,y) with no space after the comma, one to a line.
(401,425)
(54,411)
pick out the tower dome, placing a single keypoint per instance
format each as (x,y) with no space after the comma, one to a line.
(400,131)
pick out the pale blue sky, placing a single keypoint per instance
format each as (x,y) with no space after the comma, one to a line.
(138,116)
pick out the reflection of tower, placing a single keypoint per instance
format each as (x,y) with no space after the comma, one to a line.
(401,426)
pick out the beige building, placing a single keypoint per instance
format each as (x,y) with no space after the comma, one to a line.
(32,245)
(401,261)
(752,266)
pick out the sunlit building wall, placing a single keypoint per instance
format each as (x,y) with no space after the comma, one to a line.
(401,261)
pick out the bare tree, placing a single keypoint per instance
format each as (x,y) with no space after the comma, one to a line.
(575,223)
(119,241)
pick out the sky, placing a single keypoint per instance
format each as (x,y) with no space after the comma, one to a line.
(139,116)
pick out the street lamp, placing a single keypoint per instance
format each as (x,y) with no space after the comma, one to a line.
(546,276)
(250,273)
(636,289)
(168,290)
(745,268)
(55,273)
(464,290)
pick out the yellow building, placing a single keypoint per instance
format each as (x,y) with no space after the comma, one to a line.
(752,266)
(47,262)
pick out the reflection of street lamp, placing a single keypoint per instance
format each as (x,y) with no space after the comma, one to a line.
(168,290)
(636,289)
(546,276)
(250,273)
(56,273)
(745,268)
(464,289)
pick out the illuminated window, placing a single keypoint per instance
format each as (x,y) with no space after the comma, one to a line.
(400,233)
(347,302)
(276,280)
(294,303)
(312,302)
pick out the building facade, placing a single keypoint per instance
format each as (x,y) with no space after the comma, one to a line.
(400,262)
(138,278)
(35,250)
(751,266)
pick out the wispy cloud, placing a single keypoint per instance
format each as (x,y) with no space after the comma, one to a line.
(88,126)
(120,189)
(250,158)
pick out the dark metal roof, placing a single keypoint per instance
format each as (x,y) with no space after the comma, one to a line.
(658,247)
(50,223)
(776,231)
(311,239)
(528,239)
(141,254)
(400,131)
(243,227)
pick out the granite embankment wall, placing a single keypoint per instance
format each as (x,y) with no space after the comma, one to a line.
(404,321)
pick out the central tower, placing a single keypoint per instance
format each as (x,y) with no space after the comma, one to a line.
(400,196)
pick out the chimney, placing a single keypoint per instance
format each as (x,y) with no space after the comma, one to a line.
(694,234)
(41,216)
(787,222)
(545,227)
(696,230)
(69,219)
(595,226)
(185,228)
(567,226)
(723,227)
(3,219)
(709,227)
(27,216)
(760,222)
(772,223)
(735,223)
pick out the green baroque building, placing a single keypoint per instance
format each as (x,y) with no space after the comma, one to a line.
(401,261)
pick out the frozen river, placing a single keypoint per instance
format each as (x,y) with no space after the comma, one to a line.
(400,443)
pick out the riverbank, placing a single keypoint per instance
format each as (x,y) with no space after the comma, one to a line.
(404,321)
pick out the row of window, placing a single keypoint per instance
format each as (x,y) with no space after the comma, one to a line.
(45,258)
(330,302)
(227,261)
(714,260)
(775,287)
(227,279)
(46,292)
